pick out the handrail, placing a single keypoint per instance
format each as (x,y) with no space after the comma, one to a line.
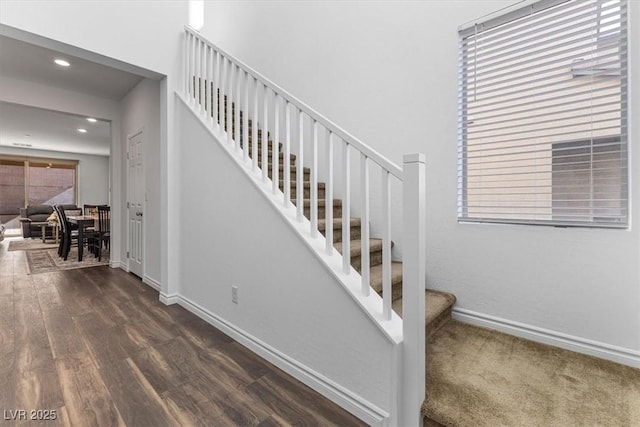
(337,130)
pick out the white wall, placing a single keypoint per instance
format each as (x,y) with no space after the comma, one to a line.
(287,299)
(387,72)
(146,34)
(93,172)
(141,110)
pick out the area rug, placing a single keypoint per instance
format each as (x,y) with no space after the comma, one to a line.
(30,245)
(47,260)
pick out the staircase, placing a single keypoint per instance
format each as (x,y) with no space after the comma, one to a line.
(438,305)
(246,110)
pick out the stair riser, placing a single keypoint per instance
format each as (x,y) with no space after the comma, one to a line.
(354,232)
(307,190)
(292,159)
(269,152)
(375,258)
(438,322)
(396,291)
(337,209)
(292,176)
(337,212)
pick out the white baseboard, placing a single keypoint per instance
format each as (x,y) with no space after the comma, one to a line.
(115,264)
(346,399)
(169,299)
(153,283)
(620,355)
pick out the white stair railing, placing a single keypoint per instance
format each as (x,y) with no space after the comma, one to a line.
(237,101)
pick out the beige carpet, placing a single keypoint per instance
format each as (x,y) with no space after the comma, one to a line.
(30,245)
(482,378)
(47,260)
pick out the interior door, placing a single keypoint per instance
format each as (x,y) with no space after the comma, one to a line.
(135,247)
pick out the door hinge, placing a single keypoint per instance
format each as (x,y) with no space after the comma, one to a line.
(127,205)
(127,254)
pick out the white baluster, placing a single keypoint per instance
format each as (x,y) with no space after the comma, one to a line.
(346,207)
(287,153)
(328,197)
(386,245)
(218,92)
(265,133)
(314,181)
(300,167)
(199,75)
(238,93)
(276,136)
(364,226)
(192,73)
(203,75)
(230,135)
(215,78)
(213,100)
(207,81)
(223,94)
(254,128)
(185,62)
(228,84)
(245,117)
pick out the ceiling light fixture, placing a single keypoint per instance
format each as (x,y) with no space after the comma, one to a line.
(91,119)
(62,62)
(82,130)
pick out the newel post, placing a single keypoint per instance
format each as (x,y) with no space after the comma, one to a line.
(413,290)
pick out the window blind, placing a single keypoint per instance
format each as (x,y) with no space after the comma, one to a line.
(543,116)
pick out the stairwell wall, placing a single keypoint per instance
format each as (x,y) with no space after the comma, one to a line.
(290,308)
(387,72)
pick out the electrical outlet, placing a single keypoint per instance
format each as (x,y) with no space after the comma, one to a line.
(234,294)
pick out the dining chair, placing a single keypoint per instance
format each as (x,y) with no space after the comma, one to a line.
(90,210)
(104,229)
(61,229)
(68,235)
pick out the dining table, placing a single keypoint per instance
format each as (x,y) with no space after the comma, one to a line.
(82,221)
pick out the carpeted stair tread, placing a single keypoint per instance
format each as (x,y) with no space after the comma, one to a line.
(293,168)
(337,223)
(478,377)
(396,279)
(354,227)
(437,309)
(337,207)
(321,202)
(292,157)
(305,184)
(375,245)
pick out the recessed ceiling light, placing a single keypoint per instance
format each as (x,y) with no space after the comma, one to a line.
(62,62)
(27,135)
(91,119)
(82,130)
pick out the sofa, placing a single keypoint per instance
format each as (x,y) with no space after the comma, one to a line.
(37,213)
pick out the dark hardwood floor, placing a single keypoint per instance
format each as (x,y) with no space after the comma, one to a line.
(97,347)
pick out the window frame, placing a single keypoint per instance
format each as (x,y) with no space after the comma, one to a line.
(463,207)
(27,160)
